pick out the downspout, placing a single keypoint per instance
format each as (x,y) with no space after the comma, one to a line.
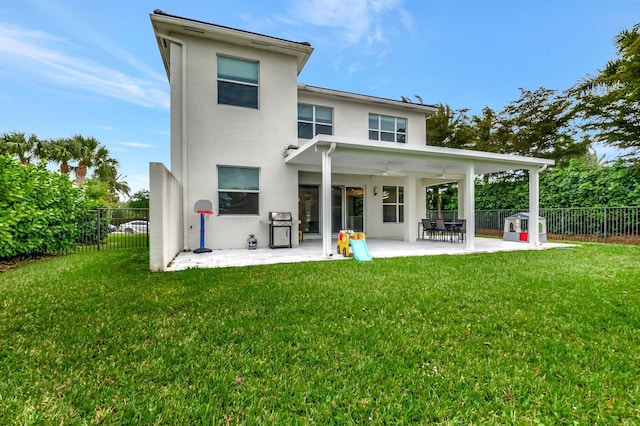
(183,92)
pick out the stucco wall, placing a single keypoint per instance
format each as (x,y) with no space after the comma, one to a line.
(165,217)
(374,226)
(236,136)
(351,118)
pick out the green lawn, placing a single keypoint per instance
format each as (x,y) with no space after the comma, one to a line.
(535,337)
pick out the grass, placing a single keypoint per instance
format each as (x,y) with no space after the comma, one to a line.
(119,240)
(542,337)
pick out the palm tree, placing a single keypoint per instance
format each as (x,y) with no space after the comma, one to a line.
(60,151)
(106,170)
(85,151)
(19,145)
(120,186)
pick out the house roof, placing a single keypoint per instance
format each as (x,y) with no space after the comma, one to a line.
(435,165)
(426,109)
(166,26)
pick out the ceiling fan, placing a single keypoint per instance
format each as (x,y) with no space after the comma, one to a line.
(445,175)
(387,172)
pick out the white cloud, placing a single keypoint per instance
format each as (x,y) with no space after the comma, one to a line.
(357,21)
(33,52)
(136,144)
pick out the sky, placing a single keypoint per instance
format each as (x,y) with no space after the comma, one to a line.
(93,67)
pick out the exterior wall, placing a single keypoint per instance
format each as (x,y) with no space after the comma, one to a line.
(237,136)
(351,118)
(374,227)
(175,87)
(165,217)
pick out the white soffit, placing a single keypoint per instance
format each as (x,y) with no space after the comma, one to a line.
(361,156)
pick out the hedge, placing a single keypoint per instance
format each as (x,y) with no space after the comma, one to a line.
(39,210)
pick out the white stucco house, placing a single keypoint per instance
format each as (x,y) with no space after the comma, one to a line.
(246,135)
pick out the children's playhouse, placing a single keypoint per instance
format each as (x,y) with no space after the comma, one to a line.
(516,228)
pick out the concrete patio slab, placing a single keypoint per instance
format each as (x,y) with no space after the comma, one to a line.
(311,250)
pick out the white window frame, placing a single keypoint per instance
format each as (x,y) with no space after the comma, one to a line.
(398,136)
(239,82)
(314,122)
(236,190)
(396,203)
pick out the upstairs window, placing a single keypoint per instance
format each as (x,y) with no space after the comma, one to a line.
(393,204)
(237,82)
(387,129)
(238,190)
(314,120)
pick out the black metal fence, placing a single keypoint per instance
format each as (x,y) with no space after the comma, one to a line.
(602,224)
(114,229)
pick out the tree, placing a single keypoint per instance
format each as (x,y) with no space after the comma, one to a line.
(17,144)
(86,151)
(449,128)
(609,102)
(139,200)
(540,124)
(60,151)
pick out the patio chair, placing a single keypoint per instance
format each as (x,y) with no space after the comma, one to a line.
(461,230)
(427,228)
(440,229)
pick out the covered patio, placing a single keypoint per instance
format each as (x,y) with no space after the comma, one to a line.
(310,251)
(419,166)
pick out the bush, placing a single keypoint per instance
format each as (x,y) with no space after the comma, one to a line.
(39,210)
(93,227)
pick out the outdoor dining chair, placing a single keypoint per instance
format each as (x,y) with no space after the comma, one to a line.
(440,229)
(461,230)
(427,228)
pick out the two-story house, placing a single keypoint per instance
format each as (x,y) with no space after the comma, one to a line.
(249,138)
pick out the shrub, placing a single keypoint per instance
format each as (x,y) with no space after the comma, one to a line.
(39,210)
(93,227)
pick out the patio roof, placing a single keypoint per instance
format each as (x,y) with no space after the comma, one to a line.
(434,164)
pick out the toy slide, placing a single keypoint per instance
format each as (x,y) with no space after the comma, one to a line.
(360,250)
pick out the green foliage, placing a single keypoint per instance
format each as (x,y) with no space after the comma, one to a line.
(99,193)
(449,128)
(539,124)
(39,210)
(93,227)
(19,145)
(536,337)
(610,101)
(579,183)
(77,154)
(139,200)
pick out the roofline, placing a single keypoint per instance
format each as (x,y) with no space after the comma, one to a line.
(406,149)
(427,109)
(182,25)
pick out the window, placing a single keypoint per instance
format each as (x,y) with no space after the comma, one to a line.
(314,120)
(238,190)
(393,204)
(237,82)
(387,129)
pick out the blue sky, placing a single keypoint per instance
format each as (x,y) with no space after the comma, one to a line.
(88,67)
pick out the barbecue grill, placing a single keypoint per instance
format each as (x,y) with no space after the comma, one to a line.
(280,229)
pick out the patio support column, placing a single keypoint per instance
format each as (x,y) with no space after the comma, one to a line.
(421,206)
(461,213)
(411,209)
(326,200)
(470,206)
(534,207)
